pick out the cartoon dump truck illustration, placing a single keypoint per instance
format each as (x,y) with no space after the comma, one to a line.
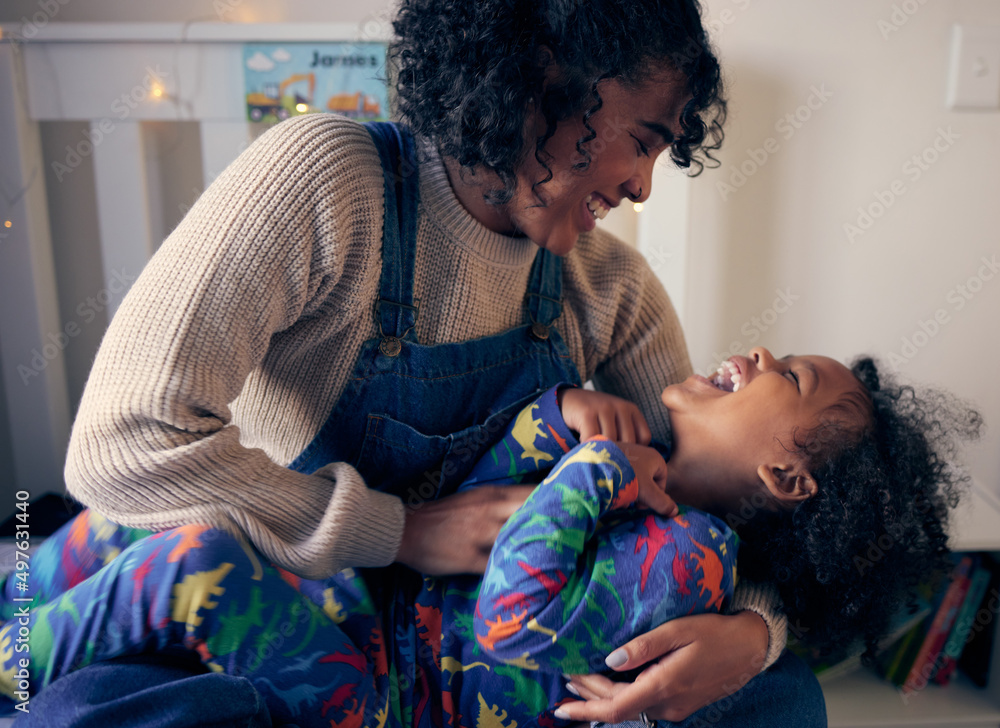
(274,101)
(355,105)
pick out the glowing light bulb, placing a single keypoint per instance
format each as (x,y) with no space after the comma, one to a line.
(637,206)
(302,108)
(157,91)
(8,223)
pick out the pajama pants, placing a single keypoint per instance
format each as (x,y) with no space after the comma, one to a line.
(99,591)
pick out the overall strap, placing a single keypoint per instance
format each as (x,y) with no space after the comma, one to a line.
(395,310)
(544,298)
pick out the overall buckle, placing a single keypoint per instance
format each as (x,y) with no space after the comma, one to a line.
(391,345)
(539,329)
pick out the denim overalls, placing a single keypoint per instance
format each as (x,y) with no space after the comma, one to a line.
(413,419)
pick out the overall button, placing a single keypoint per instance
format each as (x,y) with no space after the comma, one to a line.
(391,346)
(539,331)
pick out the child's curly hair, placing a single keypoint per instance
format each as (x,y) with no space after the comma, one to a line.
(467,74)
(847,559)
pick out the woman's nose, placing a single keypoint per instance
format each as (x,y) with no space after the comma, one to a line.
(639,185)
(636,190)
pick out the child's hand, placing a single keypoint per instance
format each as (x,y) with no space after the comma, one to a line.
(651,471)
(596,413)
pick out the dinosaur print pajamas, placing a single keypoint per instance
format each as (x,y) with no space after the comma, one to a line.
(576,572)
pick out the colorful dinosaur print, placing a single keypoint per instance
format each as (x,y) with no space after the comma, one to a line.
(551,585)
(574,573)
(526,432)
(656,540)
(187,539)
(452,665)
(195,593)
(501,629)
(713,574)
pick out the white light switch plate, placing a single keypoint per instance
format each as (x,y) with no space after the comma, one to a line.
(974,76)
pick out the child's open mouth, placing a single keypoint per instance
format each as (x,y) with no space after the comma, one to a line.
(728,378)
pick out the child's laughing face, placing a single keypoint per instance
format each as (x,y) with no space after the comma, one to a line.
(734,434)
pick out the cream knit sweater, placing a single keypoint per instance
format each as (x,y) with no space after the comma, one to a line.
(237,339)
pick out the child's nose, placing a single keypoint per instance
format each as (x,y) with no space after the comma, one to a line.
(761,358)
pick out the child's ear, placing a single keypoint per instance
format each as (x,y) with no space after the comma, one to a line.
(789,483)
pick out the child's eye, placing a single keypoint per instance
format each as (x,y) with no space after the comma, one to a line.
(643,149)
(795,378)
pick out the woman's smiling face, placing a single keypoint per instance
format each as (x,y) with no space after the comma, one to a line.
(632,128)
(723,437)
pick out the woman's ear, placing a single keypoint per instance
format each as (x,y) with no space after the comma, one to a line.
(545,58)
(789,483)
(545,61)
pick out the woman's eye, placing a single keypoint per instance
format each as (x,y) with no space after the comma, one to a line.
(643,149)
(795,378)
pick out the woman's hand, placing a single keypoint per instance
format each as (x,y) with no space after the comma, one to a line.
(454,535)
(596,413)
(697,660)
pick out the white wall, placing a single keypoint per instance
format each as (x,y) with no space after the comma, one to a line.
(237,11)
(783,226)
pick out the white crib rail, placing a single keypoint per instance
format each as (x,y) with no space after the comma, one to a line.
(113,76)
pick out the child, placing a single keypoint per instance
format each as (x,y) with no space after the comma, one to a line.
(551,601)
(560,593)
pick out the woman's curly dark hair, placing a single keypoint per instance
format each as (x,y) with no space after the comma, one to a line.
(467,73)
(847,559)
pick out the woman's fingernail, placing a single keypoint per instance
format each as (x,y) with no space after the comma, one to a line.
(616,659)
(569,686)
(561,714)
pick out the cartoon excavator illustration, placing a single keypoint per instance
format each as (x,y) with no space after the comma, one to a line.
(274,101)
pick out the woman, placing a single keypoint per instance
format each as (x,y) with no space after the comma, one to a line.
(245,382)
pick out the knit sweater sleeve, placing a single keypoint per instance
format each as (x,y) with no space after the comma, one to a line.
(634,345)
(282,235)
(764,601)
